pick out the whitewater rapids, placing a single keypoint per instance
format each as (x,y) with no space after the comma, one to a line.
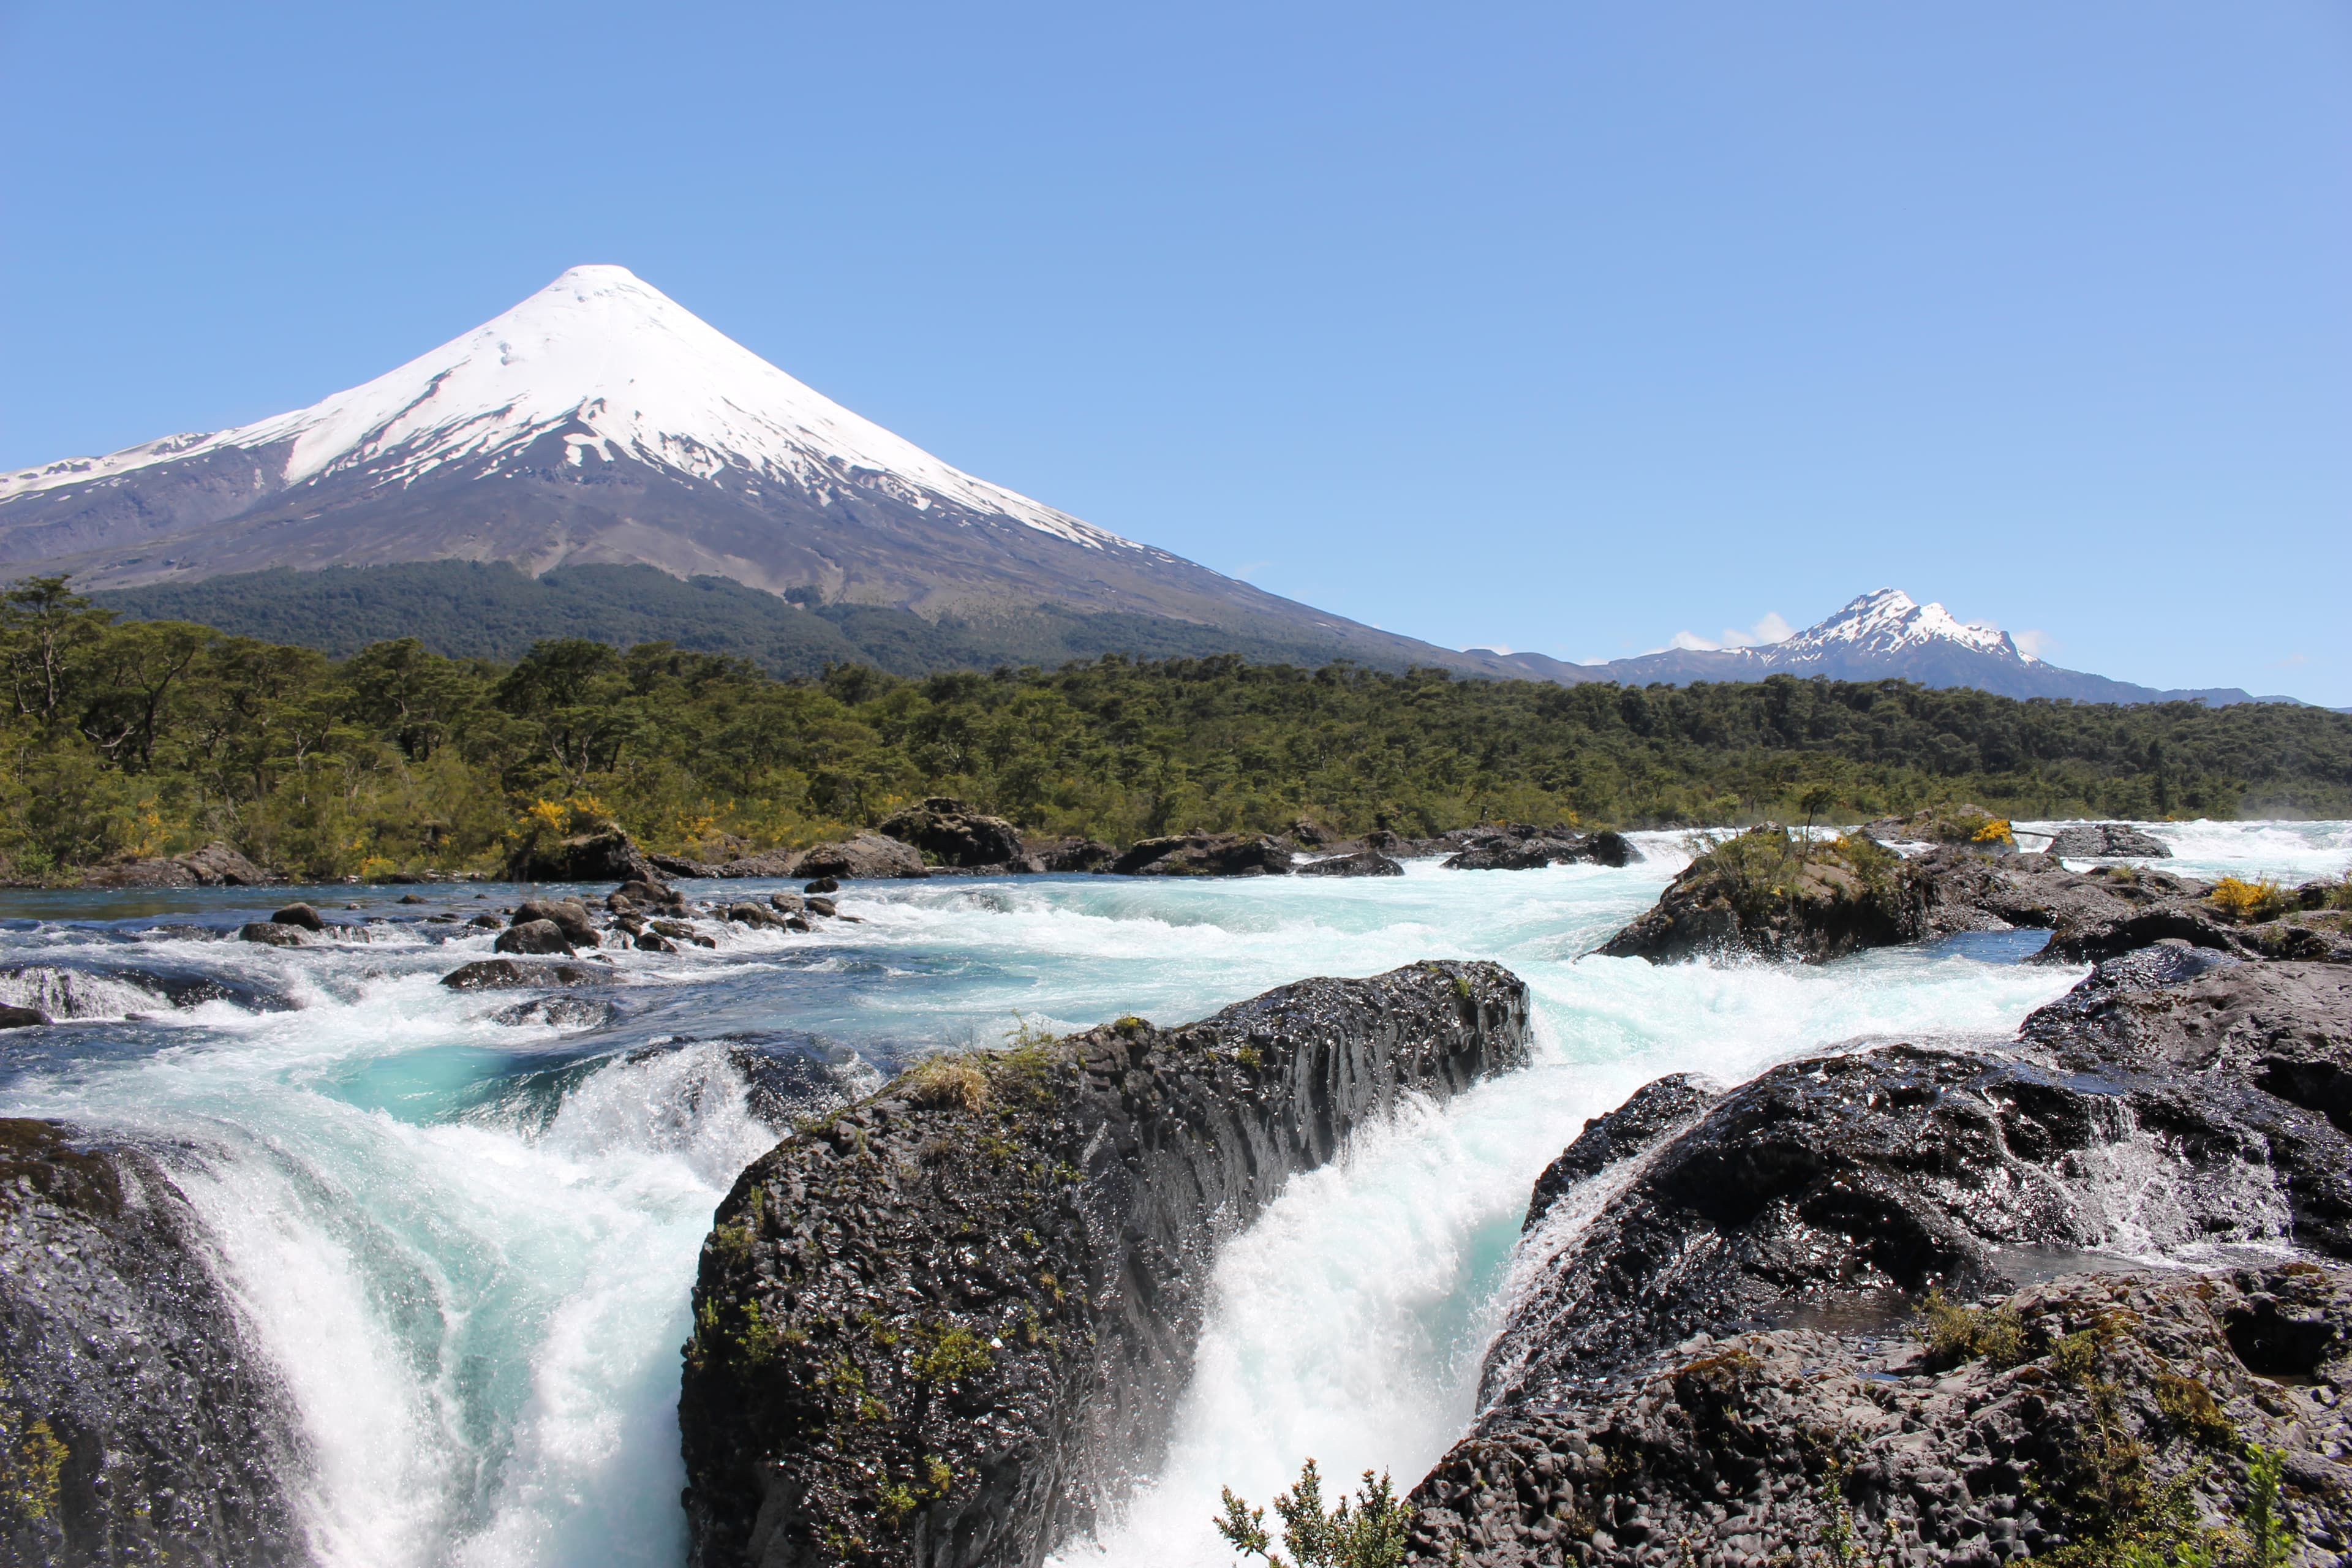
(466,1244)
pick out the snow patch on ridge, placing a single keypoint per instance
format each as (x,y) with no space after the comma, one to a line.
(616,367)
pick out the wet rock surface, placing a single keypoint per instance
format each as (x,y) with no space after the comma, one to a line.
(1518,847)
(939,1326)
(1770,893)
(2158,1098)
(2101,1401)
(1360,863)
(135,1427)
(1710,1353)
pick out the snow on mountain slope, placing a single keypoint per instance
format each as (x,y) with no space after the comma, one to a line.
(1889,621)
(1884,635)
(615,364)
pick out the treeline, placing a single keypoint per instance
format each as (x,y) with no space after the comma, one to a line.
(142,738)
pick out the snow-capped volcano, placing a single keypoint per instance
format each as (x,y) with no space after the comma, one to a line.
(1884,635)
(1889,622)
(609,365)
(601,423)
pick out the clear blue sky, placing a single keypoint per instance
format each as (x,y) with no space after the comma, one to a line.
(1562,326)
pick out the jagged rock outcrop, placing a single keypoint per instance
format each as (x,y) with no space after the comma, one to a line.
(506,974)
(1955,824)
(533,937)
(1516,846)
(2107,841)
(135,1425)
(936,1328)
(2091,1411)
(1672,1375)
(2151,907)
(1360,863)
(2159,1097)
(1204,855)
(1068,855)
(611,855)
(954,835)
(1770,893)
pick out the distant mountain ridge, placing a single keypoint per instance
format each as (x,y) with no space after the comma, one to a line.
(599,430)
(601,423)
(1883,635)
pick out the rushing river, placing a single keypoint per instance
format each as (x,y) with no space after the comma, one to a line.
(467,1244)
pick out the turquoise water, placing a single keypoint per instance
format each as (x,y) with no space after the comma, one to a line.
(468,1244)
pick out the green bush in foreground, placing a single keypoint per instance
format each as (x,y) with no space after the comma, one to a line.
(1368,1532)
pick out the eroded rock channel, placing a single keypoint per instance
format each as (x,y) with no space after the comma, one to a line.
(941,1326)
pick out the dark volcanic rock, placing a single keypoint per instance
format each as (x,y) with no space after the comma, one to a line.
(1362,863)
(269,933)
(301,915)
(2167,1096)
(679,866)
(2217,1051)
(1666,1105)
(502,974)
(22,1017)
(1770,893)
(2106,840)
(868,854)
(1796,1445)
(608,856)
(941,1326)
(1516,846)
(1204,855)
(215,865)
(955,835)
(138,1426)
(558,1011)
(569,916)
(533,936)
(1068,854)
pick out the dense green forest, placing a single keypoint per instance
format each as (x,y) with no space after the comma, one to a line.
(133,737)
(473,609)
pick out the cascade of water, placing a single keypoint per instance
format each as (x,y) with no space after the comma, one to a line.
(468,1244)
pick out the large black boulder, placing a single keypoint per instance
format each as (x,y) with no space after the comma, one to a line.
(538,937)
(1204,855)
(569,916)
(611,855)
(1519,846)
(954,835)
(1362,863)
(931,1329)
(139,1425)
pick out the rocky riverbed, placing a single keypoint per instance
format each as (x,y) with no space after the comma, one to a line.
(943,1326)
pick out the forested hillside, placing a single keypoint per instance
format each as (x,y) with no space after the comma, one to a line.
(488,609)
(139,738)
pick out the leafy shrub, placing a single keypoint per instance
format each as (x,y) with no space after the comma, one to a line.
(1366,1533)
